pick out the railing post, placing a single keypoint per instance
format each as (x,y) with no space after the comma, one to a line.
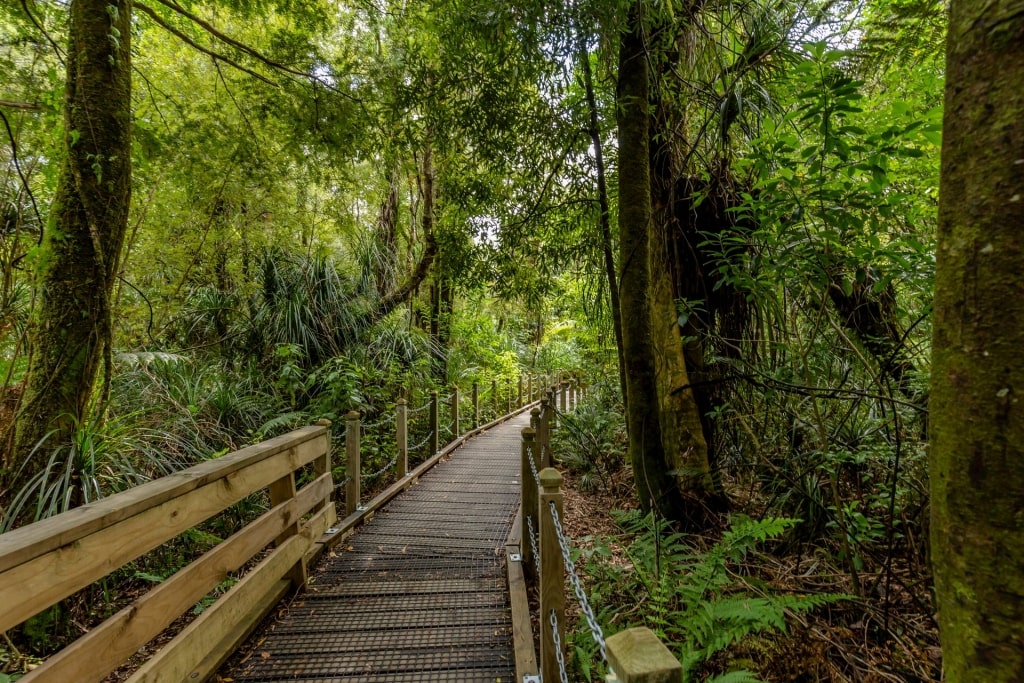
(455,412)
(494,397)
(519,400)
(529,388)
(435,422)
(322,464)
(352,451)
(637,656)
(535,418)
(528,502)
(552,573)
(402,437)
(544,434)
(563,392)
(476,405)
(281,491)
(508,396)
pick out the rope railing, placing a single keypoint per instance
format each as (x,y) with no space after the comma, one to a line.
(631,656)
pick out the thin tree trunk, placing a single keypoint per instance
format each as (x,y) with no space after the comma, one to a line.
(605,218)
(977,425)
(654,486)
(71,328)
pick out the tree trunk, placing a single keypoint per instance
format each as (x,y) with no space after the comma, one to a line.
(655,487)
(71,329)
(977,425)
(605,220)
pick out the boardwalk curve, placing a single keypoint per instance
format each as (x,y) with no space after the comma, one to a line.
(417,594)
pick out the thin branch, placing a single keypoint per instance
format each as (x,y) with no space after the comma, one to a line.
(205,50)
(24,179)
(252,52)
(26,106)
(39,26)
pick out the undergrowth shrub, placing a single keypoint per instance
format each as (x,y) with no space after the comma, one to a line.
(697,601)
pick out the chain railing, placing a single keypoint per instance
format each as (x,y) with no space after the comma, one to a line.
(631,656)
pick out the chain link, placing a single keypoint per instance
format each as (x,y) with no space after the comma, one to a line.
(577,585)
(533,465)
(415,411)
(421,444)
(367,477)
(533,543)
(559,657)
(380,423)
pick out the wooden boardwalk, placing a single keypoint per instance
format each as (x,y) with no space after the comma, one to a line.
(417,594)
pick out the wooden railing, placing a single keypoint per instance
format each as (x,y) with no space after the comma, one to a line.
(44,562)
(537,551)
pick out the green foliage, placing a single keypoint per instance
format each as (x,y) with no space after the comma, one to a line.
(699,602)
(591,440)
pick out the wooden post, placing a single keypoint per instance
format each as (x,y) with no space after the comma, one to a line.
(435,422)
(552,572)
(455,412)
(535,418)
(494,397)
(476,405)
(637,656)
(519,400)
(529,388)
(529,501)
(322,464)
(402,437)
(352,450)
(544,434)
(563,392)
(508,396)
(281,491)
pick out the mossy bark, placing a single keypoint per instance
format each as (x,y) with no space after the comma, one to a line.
(977,423)
(655,487)
(81,250)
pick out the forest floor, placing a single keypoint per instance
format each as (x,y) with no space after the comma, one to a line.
(859,640)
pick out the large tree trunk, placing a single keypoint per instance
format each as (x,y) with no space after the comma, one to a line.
(71,329)
(977,423)
(655,487)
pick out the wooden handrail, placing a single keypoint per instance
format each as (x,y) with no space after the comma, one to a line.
(44,562)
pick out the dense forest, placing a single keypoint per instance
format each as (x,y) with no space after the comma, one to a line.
(222,220)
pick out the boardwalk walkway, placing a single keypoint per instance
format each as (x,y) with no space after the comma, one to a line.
(419,593)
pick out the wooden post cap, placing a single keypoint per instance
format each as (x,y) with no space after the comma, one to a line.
(352,415)
(637,656)
(550,480)
(535,411)
(528,433)
(401,402)
(323,422)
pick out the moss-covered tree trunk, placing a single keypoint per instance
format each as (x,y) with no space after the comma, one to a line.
(655,487)
(977,390)
(71,328)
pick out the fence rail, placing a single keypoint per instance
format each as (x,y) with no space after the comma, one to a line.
(45,562)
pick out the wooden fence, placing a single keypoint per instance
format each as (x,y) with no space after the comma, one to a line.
(45,562)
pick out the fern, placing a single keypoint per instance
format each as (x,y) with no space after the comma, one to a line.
(689,598)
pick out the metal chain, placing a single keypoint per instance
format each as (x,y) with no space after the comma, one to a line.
(414,411)
(533,465)
(421,444)
(380,423)
(381,470)
(577,585)
(533,543)
(559,657)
